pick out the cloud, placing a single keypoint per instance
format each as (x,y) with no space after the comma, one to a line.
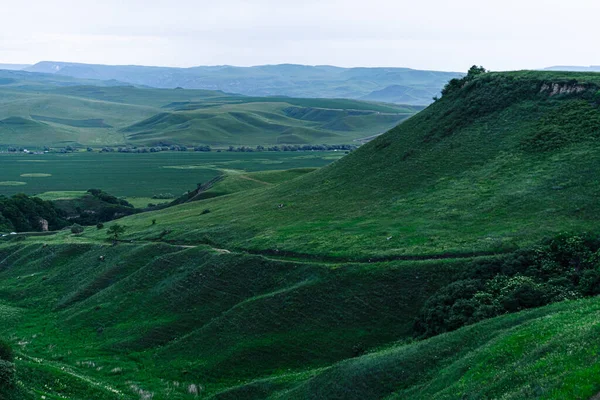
(446,35)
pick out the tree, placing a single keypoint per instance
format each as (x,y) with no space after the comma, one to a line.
(475,70)
(115,230)
(76,229)
(456,84)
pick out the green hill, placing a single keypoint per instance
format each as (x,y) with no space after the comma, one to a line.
(309,288)
(503,161)
(40,110)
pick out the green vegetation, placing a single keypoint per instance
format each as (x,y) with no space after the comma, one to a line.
(140,175)
(21,213)
(459,166)
(36,111)
(431,263)
(565,268)
(116,230)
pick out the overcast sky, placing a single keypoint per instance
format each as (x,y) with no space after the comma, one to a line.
(426,34)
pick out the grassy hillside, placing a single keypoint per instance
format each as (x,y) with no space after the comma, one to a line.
(504,161)
(309,288)
(270,80)
(39,110)
(548,353)
(146,312)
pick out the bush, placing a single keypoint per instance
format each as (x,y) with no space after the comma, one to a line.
(76,229)
(205,211)
(100,225)
(563,268)
(7,374)
(6,352)
(163,196)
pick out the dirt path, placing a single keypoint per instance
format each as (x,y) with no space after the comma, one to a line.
(246,177)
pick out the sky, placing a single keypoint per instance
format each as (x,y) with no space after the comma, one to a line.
(428,34)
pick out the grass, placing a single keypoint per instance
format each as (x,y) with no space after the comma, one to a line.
(308,287)
(139,175)
(417,189)
(166,323)
(235,181)
(38,113)
(549,353)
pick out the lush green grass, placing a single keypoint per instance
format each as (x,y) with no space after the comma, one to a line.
(139,175)
(34,114)
(549,353)
(456,167)
(195,315)
(327,306)
(238,181)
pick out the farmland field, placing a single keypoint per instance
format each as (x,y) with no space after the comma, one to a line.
(139,175)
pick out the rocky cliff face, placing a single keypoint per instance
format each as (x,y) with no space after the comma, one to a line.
(565,88)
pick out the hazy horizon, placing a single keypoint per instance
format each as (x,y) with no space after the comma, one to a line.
(438,35)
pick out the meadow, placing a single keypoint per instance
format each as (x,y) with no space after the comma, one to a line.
(38,111)
(416,267)
(138,175)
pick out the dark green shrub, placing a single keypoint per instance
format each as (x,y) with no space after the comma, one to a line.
(565,267)
(100,225)
(115,231)
(7,374)
(590,282)
(6,352)
(205,211)
(76,229)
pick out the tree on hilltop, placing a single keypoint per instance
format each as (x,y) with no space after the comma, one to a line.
(456,84)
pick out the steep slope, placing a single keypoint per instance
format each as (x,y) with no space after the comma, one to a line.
(548,353)
(268,80)
(505,161)
(309,288)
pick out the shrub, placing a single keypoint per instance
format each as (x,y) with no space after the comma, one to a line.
(76,229)
(7,374)
(563,268)
(115,230)
(100,225)
(205,211)
(6,352)
(163,196)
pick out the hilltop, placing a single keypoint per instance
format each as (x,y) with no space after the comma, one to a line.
(271,80)
(310,287)
(53,110)
(505,160)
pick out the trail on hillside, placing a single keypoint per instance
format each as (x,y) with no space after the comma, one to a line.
(246,177)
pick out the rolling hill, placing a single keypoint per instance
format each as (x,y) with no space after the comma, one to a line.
(309,288)
(491,161)
(271,80)
(52,110)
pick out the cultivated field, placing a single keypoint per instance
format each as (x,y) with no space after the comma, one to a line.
(139,175)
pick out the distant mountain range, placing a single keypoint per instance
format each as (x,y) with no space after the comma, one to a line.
(592,68)
(14,67)
(393,85)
